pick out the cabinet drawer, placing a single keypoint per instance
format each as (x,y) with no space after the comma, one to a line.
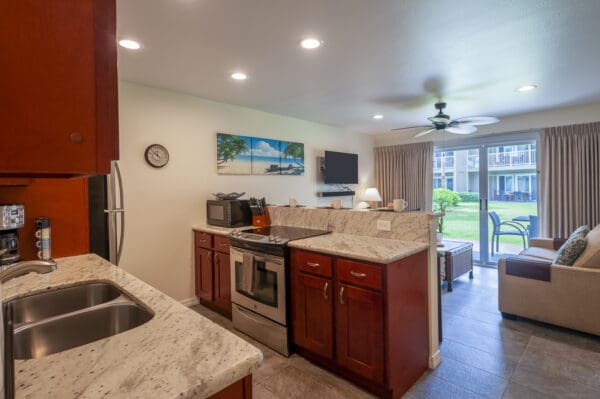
(314,263)
(221,244)
(360,274)
(203,240)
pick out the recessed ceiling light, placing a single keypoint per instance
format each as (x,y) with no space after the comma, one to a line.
(310,43)
(526,88)
(130,44)
(239,76)
(378,116)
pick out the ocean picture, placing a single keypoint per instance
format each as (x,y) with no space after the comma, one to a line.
(292,158)
(244,155)
(234,154)
(265,156)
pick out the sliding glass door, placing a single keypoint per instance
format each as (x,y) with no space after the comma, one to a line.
(489,193)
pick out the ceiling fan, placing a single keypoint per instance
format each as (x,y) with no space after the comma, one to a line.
(441,121)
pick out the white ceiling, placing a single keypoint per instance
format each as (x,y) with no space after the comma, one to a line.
(380,56)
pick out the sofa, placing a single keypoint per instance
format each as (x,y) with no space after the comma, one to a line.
(531,286)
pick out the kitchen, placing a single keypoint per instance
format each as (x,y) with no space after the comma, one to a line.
(165,210)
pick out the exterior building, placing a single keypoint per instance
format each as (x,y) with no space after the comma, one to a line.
(512,172)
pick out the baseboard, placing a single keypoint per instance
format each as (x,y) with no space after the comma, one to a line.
(190,301)
(435,360)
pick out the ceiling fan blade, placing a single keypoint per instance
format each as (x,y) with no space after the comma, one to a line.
(409,127)
(478,120)
(461,129)
(423,133)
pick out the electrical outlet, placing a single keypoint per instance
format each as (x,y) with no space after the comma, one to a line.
(384,225)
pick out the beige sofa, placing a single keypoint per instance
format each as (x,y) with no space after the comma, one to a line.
(530,286)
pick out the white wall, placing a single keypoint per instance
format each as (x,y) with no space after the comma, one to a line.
(162,205)
(533,120)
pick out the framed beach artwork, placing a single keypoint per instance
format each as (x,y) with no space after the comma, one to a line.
(292,158)
(244,155)
(234,154)
(265,156)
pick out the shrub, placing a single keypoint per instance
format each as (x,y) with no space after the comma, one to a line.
(442,199)
(469,197)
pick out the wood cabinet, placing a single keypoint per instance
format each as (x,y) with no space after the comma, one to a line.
(59,87)
(367,322)
(222,283)
(204,274)
(212,272)
(359,331)
(313,314)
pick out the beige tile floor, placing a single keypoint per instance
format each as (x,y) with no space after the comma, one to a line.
(484,356)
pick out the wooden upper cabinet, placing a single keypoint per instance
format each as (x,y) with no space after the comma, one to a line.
(359,331)
(313,314)
(58,79)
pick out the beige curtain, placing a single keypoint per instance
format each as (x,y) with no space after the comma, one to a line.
(405,171)
(569,178)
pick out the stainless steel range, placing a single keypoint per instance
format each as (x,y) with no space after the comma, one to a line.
(260,282)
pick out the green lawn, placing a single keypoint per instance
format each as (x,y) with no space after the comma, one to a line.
(462,221)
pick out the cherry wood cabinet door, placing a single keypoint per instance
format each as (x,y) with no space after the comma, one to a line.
(204,274)
(312,314)
(222,283)
(58,79)
(359,331)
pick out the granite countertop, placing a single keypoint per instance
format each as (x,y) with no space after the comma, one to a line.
(370,249)
(177,354)
(207,228)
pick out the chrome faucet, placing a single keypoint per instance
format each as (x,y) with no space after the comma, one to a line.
(20,268)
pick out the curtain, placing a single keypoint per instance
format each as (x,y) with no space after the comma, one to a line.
(569,178)
(405,171)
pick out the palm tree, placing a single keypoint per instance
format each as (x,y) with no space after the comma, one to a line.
(296,152)
(229,147)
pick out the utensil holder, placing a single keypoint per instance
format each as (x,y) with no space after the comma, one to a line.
(261,220)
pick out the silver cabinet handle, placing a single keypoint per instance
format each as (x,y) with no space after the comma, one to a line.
(342,295)
(357,274)
(312,264)
(325,290)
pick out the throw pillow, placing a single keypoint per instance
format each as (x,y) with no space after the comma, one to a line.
(568,253)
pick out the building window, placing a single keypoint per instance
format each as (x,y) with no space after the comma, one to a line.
(450,183)
(437,182)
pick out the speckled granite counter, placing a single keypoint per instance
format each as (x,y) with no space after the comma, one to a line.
(206,228)
(371,249)
(177,354)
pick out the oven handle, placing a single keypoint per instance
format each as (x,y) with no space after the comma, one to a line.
(257,256)
(250,315)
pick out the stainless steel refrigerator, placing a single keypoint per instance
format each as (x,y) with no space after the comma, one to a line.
(107,214)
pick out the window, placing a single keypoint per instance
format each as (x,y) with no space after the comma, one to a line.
(450,183)
(437,182)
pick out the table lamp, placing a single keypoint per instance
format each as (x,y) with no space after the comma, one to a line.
(372,195)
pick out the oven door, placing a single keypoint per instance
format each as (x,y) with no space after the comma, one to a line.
(267,295)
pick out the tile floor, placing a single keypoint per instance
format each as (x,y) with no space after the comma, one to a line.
(484,356)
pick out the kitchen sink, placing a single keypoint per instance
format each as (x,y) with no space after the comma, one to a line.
(49,322)
(68,331)
(65,300)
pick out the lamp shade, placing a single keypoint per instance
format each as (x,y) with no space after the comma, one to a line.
(371,194)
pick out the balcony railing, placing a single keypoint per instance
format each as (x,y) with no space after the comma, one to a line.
(506,159)
(448,163)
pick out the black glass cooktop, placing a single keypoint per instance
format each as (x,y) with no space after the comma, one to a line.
(286,233)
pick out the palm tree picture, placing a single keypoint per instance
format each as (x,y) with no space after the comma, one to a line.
(233,154)
(292,158)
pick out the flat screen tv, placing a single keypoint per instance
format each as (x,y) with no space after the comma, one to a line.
(341,168)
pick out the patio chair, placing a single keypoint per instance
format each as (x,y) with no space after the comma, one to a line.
(515,230)
(532,229)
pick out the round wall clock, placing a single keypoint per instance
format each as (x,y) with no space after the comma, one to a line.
(156,155)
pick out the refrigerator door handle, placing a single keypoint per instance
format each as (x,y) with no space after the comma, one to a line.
(120,211)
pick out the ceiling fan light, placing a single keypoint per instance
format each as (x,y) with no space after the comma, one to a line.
(440,118)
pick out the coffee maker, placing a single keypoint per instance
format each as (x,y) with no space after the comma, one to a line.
(12,218)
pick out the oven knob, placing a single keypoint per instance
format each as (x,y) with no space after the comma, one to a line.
(272,238)
(277,239)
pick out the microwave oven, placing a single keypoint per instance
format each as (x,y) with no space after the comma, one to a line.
(228,213)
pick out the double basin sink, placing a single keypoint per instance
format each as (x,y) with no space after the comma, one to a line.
(53,321)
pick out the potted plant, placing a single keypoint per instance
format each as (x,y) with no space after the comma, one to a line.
(442,199)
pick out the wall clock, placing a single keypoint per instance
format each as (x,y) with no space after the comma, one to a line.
(156,155)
